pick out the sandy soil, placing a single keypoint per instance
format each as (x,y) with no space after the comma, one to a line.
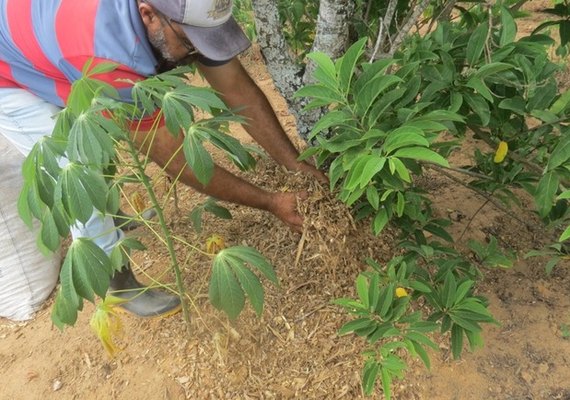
(293,350)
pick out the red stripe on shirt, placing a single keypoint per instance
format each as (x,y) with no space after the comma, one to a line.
(75,29)
(6,75)
(22,34)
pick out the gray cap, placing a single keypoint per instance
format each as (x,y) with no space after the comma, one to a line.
(208,24)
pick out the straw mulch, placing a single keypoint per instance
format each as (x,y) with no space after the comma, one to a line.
(293,350)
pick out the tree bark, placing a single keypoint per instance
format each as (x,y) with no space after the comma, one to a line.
(331,38)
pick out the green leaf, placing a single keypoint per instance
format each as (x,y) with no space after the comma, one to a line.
(74,195)
(355,325)
(403,137)
(64,311)
(476,43)
(422,354)
(370,373)
(49,233)
(251,285)
(561,103)
(224,292)
(233,148)
(380,221)
(253,257)
(95,187)
(516,104)
(421,154)
(386,299)
(217,210)
(330,119)
(371,168)
(372,196)
(386,383)
(325,71)
(492,69)
(462,290)
(23,206)
(456,341)
(366,97)
(196,218)
(564,32)
(546,192)
(565,235)
(199,160)
(508,27)
(178,115)
(449,290)
(327,95)
(560,154)
(362,290)
(401,169)
(91,269)
(347,63)
(479,107)
(481,88)
(374,292)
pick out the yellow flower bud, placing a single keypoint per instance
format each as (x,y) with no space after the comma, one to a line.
(215,244)
(501,152)
(401,292)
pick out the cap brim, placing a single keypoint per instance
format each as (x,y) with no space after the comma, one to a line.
(218,43)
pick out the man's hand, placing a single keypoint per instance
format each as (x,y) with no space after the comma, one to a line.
(310,169)
(284,207)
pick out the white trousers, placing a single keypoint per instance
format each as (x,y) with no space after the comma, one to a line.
(24,119)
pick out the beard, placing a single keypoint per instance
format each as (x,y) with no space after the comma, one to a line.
(166,61)
(158,42)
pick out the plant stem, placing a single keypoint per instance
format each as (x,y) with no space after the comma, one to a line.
(479,192)
(166,232)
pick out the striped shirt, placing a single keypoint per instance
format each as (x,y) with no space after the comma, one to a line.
(44,44)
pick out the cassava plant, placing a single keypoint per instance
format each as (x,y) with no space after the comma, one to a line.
(92,134)
(383,128)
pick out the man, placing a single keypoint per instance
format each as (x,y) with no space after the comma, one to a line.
(43,47)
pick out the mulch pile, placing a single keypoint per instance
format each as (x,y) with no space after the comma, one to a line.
(293,350)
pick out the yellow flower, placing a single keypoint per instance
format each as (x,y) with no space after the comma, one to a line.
(501,152)
(401,292)
(215,244)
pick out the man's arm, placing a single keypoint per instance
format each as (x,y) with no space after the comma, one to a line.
(166,150)
(240,92)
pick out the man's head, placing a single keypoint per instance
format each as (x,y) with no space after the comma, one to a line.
(177,28)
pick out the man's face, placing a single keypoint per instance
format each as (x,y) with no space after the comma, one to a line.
(168,39)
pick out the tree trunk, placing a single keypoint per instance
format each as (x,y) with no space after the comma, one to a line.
(331,38)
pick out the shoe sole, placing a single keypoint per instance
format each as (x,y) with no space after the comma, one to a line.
(166,314)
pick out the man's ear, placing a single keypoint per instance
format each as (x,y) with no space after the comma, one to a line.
(148,15)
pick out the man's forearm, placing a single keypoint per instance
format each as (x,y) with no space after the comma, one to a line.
(240,92)
(166,151)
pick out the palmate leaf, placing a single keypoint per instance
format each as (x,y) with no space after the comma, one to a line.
(85,272)
(74,195)
(91,269)
(231,280)
(88,142)
(233,148)
(199,160)
(178,114)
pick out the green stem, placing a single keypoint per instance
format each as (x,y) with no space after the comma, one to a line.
(167,236)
